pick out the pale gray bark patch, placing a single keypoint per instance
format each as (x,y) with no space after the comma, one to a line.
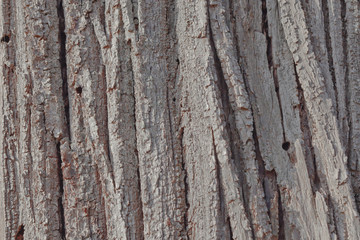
(137,119)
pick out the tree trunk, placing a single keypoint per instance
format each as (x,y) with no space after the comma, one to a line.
(178,119)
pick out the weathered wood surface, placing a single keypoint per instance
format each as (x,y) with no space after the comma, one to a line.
(134,119)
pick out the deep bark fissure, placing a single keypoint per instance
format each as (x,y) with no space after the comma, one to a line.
(265,30)
(346,80)
(62,229)
(107,134)
(135,142)
(234,32)
(220,189)
(230,229)
(186,186)
(281,217)
(325,11)
(20,232)
(230,127)
(272,67)
(63,65)
(310,158)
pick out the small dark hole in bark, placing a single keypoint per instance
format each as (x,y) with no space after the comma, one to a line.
(174,99)
(20,233)
(136,22)
(286,146)
(79,90)
(5,38)
(178,61)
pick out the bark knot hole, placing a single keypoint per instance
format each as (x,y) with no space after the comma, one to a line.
(79,90)
(5,38)
(20,233)
(286,146)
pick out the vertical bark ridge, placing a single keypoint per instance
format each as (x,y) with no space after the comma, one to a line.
(10,184)
(271,191)
(238,121)
(307,137)
(315,24)
(293,114)
(174,100)
(231,130)
(222,199)
(163,206)
(269,54)
(328,44)
(43,68)
(86,89)
(338,36)
(350,15)
(25,89)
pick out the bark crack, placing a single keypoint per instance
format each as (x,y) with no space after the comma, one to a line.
(65,95)
(325,11)
(63,65)
(272,68)
(307,137)
(219,181)
(186,186)
(347,90)
(281,217)
(135,150)
(61,193)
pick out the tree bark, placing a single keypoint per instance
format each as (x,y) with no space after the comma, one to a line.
(178,119)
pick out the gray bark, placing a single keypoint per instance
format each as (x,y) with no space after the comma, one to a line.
(140,119)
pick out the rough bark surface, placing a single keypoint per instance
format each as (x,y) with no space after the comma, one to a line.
(140,119)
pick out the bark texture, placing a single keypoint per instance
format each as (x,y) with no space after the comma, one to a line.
(179,119)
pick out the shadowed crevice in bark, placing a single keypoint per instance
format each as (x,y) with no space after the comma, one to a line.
(63,65)
(62,229)
(173,95)
(310,158)
(107,133)
(186,185)
(20,233)
(265,30)
(233,29)
(268,179)
(325,11)
(9,123)
(281,217)
(136,152)
(345,60)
